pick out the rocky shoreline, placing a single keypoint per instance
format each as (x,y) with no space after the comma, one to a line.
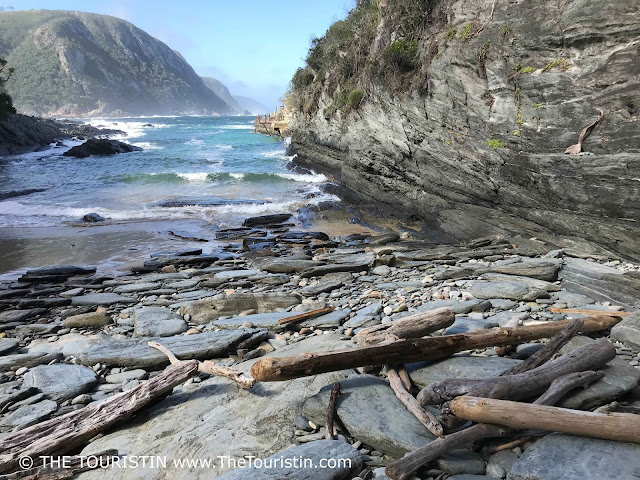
(72,338)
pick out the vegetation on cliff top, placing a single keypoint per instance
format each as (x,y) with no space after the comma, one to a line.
(6,104)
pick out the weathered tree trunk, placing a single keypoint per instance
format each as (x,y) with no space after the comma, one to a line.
(621,427)
(549,350)
(272,369)
(415,326)
(67,432)
(524,385)
(405,468)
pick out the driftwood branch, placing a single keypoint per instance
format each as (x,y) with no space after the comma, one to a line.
(580,311)
(621,427)
(549,350)
(414,326)
(271,369)
(331,409)
(422,414)
(305,316)
(209,367)
(524,385)
(405,468)
(67,432)
(584,134)
(563,385)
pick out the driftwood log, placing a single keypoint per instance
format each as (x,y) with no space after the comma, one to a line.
(414,326)
(405,468)
(579,311)
(272,369)
(331,410)
(549,350)
(409,401)
(67,432)
(621,427)
(209,367)
(305,316)
(524,385)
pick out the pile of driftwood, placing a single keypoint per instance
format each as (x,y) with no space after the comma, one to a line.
(496,404)
(499,405)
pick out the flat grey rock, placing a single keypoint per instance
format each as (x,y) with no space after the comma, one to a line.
(91,319)
(259,320)
(321,287)
(502,318)
(341,262)
(27,359)
(236,274)
(459,366)
(121,377)
(8,345)
(330,320)
(135,287)
(284,264)
(508,290)
(313,452)
(101,299)
(539,268)
(573,300)
(566,457)
(134,352)
(628,331)
(532,282)
(208,309)
(157,322)
(372,413)
(461,461)
(28,415)
(60,381)
(619,378)
(467,324)
(456,306)
(11,316)
(183,284)
(365,317)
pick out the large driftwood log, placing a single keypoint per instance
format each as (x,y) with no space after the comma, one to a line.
(67,432)
(271,369)
(422,414)
(621,427)
(414,326)
(405,468)
(209,367)
(549,350)
(524,385)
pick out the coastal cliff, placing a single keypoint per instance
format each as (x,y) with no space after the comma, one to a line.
(460,112)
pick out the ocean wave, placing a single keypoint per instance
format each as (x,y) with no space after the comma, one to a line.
(237,127)
(194,141)
(148,145)
(176,177)
(195,176)
(224,147)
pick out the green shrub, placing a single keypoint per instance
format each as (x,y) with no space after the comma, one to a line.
(495,144)
(354,99)
(302,78)
(6,104)
(465,33)
(451,33)
(560,63)
(527,70)
(403,53)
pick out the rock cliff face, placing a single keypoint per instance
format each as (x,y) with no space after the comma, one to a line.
(75,63)
(472,138)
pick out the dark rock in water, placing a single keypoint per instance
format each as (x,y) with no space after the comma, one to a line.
(20,193)
(21,133)
(96,146)
(239,233)
(303,235)
(266,219)
(207,202)
(178,253)
(147,125)
(287,464)
(93,218)
(55,274)
(186,236)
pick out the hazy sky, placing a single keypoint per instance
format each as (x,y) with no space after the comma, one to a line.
(252,46)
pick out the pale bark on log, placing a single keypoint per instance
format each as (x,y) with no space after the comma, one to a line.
(414,326)
(524,385)
(209,367)
(621,427)
(404,376)
(549,350)
(331,410)
(422,414)
(271,369)
(305,316)
(405,468)
(67,432)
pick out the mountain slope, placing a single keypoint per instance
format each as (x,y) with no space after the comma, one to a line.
(252,106)
(75,63)
(460,111)
(217,87)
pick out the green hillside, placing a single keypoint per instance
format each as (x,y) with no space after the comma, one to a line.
(75,63)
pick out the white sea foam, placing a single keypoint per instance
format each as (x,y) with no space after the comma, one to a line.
(238,127)
(301,177)
(224,147)
(237,176)
(148,145)
(194,176)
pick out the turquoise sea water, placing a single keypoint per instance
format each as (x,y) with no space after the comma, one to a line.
(215,168)
(208,163)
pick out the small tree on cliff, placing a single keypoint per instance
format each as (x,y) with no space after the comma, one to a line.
(6,105)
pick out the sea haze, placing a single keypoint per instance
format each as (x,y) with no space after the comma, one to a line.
(195,174)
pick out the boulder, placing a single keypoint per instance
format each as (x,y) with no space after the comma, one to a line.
(628,331)
(157,322)
(371,412)
(101,299)
(93,218)
(508,290)
(60,381)
(541,268)
(203,311)
(97,146)
(28,415)
(266,219)
(91,319)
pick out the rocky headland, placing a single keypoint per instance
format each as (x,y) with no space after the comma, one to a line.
(72,338)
